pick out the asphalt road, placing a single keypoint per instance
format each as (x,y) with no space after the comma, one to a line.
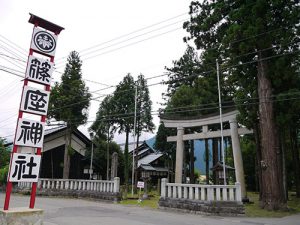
(62,211)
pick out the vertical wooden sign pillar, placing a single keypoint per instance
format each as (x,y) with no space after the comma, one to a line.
(24,167)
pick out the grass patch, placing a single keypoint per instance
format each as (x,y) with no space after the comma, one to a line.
(152,202)
(253,210)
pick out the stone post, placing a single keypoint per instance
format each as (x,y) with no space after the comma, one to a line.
(238,194)
(114,165)
(179,155)
(163,187)
(237,156)
(116,185)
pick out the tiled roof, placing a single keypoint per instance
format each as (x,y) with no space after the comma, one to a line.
(149,158)
(55,129)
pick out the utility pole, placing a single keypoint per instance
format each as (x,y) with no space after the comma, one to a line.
(92,155)
(221,121)
(107,155)
(134,139)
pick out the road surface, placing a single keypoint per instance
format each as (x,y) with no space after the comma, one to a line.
(63,211)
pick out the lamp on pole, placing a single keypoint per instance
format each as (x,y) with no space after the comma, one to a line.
(92,155)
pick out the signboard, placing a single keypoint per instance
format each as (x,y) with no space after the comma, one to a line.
(24,168)
(39,70)
(35,101)
(140,184)
(30,133)
(43,41)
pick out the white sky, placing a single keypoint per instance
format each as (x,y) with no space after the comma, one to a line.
(87,24)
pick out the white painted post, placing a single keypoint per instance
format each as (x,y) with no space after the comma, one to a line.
(174,191)
(238,192)
(197,193)
(68,184)
(210,194)
(191,193)
(179,191)
(169,191)
(185,192)
(57,184)
(202,194)
(218,194)
(224,195)
(231,196)
(116,184)
(163,187)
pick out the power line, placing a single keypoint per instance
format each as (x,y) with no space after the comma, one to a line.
(133,43)
(21,60)
(15,74)
(128,34)
(195,75)
(130,115)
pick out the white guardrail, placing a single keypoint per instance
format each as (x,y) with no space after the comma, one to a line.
(201,192)
(72,184)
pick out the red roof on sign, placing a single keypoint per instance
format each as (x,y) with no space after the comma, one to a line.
(45,24)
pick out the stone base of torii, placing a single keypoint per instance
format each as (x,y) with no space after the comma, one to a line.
(233,132)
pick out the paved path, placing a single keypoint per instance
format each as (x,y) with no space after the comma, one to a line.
(61,211)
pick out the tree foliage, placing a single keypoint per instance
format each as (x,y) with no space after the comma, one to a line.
(70,99)
(104,124)
(69,102)
(253,37)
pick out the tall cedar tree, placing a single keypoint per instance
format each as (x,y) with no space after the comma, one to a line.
(123,99)
(144,104)
(69,102)
(259,30)
(124,106)
(104,126)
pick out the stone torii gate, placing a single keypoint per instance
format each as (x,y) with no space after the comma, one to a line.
(234,132)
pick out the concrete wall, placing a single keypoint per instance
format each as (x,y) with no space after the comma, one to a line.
(200,207)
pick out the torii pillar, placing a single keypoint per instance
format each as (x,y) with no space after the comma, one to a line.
(237,156)
(179,155)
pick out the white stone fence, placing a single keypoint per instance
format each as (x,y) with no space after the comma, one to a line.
(80,185)
(201,192)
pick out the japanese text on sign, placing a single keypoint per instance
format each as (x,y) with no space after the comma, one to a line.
(140,184)
(24,168)
(39,70)
(30,133)
(35,101)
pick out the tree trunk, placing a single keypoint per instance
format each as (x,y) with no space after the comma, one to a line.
(66,170)
(258,169)
(207,161)
(192,163)
(272,183)
(296,161)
